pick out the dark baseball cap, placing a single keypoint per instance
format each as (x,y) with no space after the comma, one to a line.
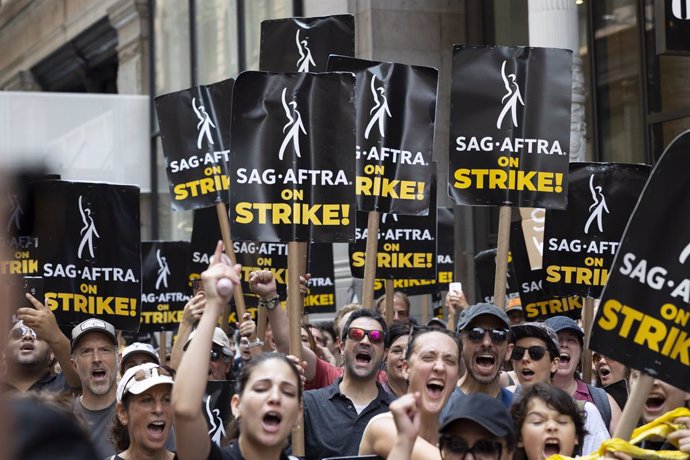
(563,323)
(539,330)
(468,315)
(93,325)
(482,409)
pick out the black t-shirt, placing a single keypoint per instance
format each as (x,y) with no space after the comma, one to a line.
(231,452)
(117,457)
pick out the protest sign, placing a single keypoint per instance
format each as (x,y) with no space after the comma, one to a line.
(510,126)
(536,303)
(304,44)
(165,285)
(395,133)
(216,408)
(292,169)
(485,268)
(642,320)
(195,130)
(321,295)
(581,242)
(90,251)
(406,246)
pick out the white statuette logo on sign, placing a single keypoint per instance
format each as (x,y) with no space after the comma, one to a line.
(204,126)
(88,231)
(15,211)
(677,7)
(380,109)
(305,57)
(511,98)
(293,127)
(163,271)
(385,216)
(217,431)
(598,206)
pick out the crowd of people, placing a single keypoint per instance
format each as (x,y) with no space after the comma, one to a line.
(492,387)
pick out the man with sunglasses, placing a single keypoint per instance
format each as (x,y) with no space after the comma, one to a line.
(335,416)
(484,331)
(221,355)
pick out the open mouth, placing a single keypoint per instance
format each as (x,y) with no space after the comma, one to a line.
(565,358)
(156,428)
(654,402)
(98,374)
(485,361)
(604,371)
(26,347)
(552,447)
(435,388)
(527,373)
(363,357)
(271,421)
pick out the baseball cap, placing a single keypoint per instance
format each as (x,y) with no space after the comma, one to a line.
(468,315)
(93,325)
(539,330)
(139,347)
(140,378)
(437,322)
(219,338)
(514,304)
(563,323)
(483,409)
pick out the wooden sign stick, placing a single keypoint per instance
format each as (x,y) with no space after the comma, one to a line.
(587,319)
(295,306)
(370,259)
(502,257)
(390,300)
(230,252)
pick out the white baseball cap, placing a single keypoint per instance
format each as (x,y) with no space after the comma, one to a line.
(140,378)
(139,347)
(220,338)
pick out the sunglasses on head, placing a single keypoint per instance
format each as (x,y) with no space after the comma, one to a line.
(357,334)
(484,449)
(476,334)
(535,353)
(147,373)
(18,333)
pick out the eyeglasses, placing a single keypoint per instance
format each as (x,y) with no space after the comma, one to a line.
(476,334)
(535,353)
(484,449)
(19,332)
(357,334)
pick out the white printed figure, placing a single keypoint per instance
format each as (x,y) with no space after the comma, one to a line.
(15,211)
(204,126)
(305,57)
(385,216)
(511,98)
(538,217)
(217,431)
(379,110)
(88,231)
(294,124)
(677,9)
(163,270)
(598,206)
(684,254)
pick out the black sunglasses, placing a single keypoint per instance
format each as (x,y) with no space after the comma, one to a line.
(216,355)
(484,449)
(476,334)
(535,353)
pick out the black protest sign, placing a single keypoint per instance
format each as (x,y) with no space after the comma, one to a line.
(90,251)
(293,171)
(321,295)
(216,408)
(536,303)
(251,255)
(510,126)
(581,242)
(304,44)
(485,268)
(165,286)
(406,246)
(195,132)
(396,106)
(642,320)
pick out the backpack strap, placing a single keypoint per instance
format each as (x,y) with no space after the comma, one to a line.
(601,400)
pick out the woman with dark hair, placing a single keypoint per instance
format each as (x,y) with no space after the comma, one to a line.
(143,414)
(268,402)
(547,421)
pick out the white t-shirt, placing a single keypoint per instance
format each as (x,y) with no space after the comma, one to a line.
(596,429)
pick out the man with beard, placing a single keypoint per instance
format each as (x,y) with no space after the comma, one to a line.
(484,331)
(571,339)
(335,416)
(35,343)
(94,355)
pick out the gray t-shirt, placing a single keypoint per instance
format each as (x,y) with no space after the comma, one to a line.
(100,423)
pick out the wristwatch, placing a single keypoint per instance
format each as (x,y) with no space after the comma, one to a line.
(270,304)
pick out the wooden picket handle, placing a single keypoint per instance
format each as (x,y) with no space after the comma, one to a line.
(162,345)
(370,259)
(587,319)
(503,244)
(390,300)
(230,252)
(425,308)
(295,306)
